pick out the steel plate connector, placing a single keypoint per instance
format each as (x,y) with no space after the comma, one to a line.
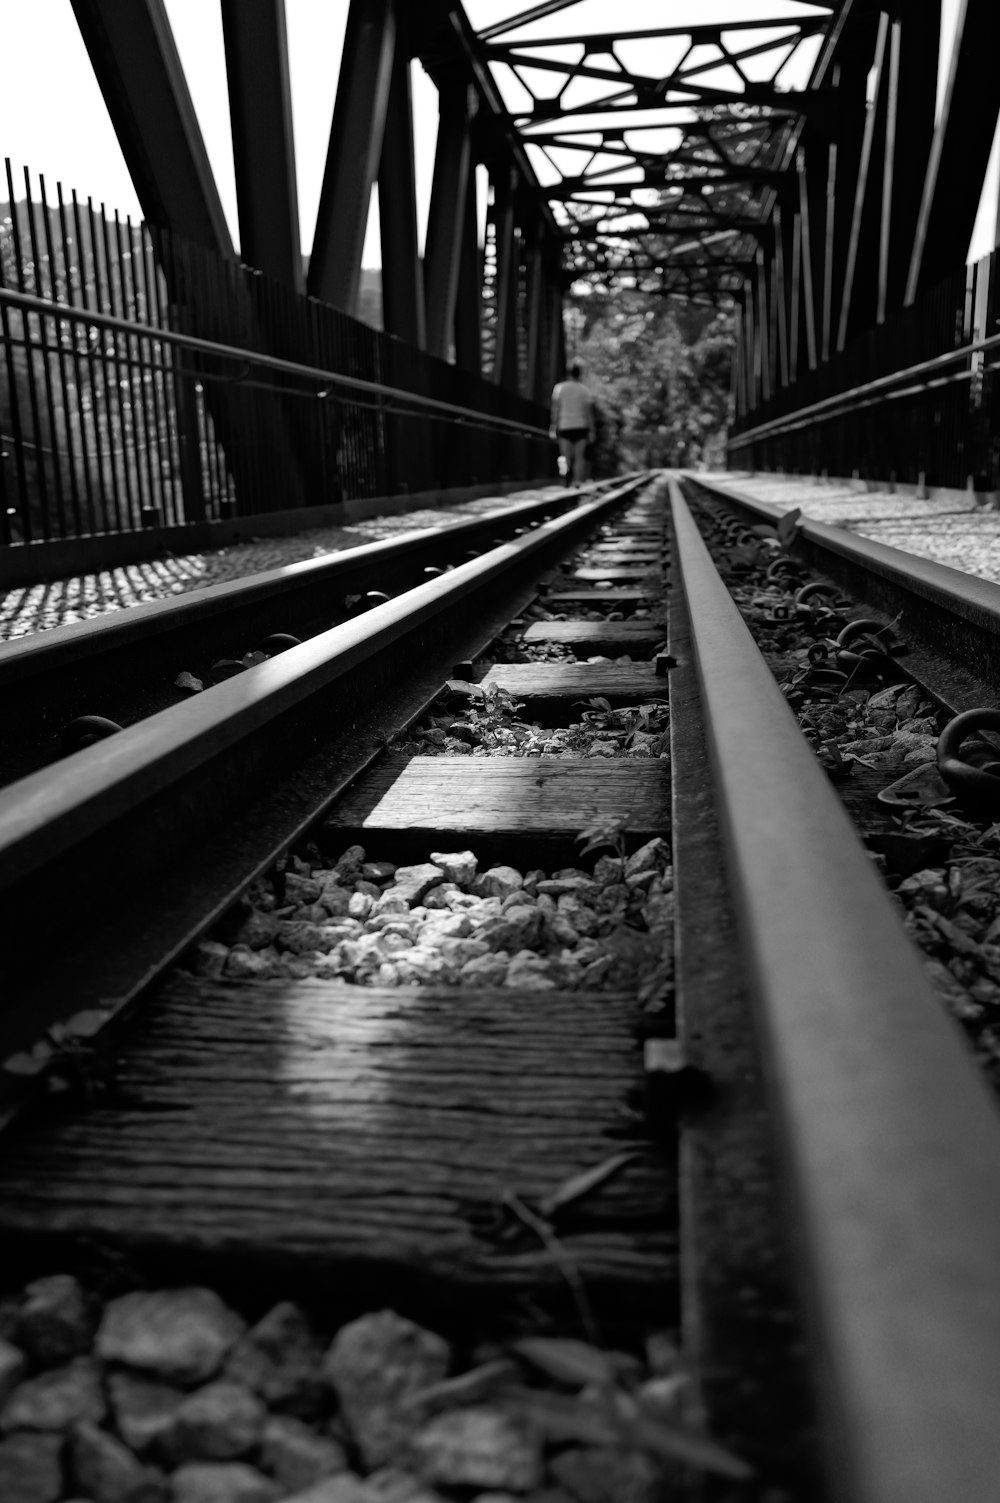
(971,772)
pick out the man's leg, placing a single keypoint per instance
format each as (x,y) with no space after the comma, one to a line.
(565,457)
(579,461)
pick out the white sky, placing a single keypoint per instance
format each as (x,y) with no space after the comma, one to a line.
(52,115)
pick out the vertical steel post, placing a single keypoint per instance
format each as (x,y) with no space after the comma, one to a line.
(860,300)
(446,218)
(354,152)
(556,330)
(536,312)
(469,293)
(508,258)
(795,298)
(807,263)
(849,86)
(763,326)
(913,84)
(780,296)
(960,151)
(402,277)
(260,110)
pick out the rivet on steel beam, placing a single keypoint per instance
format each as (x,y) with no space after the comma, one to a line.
(85,730)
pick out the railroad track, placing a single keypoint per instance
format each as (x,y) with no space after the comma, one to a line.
(608,1134)
(123,666)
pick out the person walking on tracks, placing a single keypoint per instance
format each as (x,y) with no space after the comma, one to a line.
(572,423)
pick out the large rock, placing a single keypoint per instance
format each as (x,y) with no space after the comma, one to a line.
(104,1469)
(30,1468)
(458,866)
(220,1422)
(445,925)
(222,1482)
(345,1488)
(12,1367)
(528,972)
(280,1359)
(144,1412)
(301,890)
(390,1485)
(335,899)
(56,1400)
(478,1447)
(655,852)
(55,1321)
(518,928)
(256,930)
(486,970)
(414,882)
(606,1476)
(375,1364)
(179,1336)
(351,864)
(499,881)
(243,964)
(294,1455)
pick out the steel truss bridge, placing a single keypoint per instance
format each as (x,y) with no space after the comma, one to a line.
(792,163)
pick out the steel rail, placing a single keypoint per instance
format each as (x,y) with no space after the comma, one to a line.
(28,302)
(122,664)
(135,816)
(953,615)
(889,1137)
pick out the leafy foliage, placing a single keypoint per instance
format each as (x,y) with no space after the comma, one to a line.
(660,373)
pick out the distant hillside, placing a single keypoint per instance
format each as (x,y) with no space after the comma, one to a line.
(369,309)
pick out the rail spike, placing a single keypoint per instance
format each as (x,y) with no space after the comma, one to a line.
(87,729)
(972,772)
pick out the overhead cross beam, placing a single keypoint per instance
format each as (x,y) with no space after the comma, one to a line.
(718,93)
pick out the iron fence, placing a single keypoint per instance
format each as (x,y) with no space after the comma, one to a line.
(913,400)
(146,381)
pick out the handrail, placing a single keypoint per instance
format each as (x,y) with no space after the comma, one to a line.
(28,302)
(847,401)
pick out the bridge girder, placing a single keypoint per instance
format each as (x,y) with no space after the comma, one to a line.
(706,174)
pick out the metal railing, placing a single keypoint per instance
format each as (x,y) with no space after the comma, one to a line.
(146,381)
(913,400)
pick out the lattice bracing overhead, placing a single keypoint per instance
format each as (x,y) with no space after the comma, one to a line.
(659,148)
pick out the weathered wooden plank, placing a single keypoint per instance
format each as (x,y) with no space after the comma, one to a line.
(606,553)
(619,573)
(615,599)
(523,804)
(351,1127)
(549,693)
(634,637)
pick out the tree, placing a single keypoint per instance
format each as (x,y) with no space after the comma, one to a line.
(660,369)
